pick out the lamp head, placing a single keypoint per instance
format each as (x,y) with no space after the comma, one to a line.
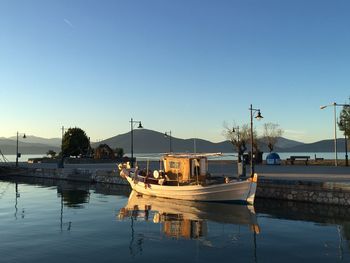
(259,116)
(323,107)
(140,126)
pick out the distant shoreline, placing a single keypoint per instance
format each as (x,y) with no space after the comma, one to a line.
(226,156)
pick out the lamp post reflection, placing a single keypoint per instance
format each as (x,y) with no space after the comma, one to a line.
(72,196)
(17,196)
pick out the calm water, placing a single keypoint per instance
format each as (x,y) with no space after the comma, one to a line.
(48,221)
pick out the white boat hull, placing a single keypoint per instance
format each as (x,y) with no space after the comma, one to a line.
(233,191)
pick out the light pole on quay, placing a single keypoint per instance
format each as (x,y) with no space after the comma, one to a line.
(236,130)
(168,134)
(258,117)
(241,165)
(132,123)
(334,104)
(346,143)
(17,153)
(61,161)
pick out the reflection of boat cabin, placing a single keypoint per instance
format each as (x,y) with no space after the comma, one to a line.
(185,228)
(186,168)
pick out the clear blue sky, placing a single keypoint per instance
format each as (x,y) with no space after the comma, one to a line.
(182,65)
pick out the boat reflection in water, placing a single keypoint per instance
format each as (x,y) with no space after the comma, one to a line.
(186,219)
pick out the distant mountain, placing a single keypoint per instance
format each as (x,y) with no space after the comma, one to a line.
(287,143)
(8,146)
(320,146)
(148,141)
(33,139)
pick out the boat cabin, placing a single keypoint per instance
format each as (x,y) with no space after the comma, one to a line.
(185,168)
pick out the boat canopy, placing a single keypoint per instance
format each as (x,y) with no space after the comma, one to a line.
(192,155)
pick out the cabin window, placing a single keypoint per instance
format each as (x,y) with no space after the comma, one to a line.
(174,165)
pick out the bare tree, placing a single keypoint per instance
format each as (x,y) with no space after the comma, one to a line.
(271,134)
(238,136)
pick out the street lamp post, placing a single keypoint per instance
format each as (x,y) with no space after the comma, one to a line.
(346,145)
(236,130)
(132,122)
(346,151)
(17,153)
(241,166)
(334,104)
(168,134)
(258,117)
(61,162)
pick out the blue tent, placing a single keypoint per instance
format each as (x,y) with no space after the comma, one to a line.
(273,159)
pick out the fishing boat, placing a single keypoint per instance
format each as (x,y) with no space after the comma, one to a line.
(186,177)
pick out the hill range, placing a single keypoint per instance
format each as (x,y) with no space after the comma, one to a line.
(149,141)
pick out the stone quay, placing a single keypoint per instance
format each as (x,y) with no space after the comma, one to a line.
(312,184)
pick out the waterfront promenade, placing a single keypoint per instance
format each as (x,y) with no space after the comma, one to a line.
(305,173)
(290,172)
(318,173)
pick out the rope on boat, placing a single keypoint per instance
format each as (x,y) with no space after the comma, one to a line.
(3,159)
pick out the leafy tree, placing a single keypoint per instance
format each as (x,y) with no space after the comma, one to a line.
(271,134)
(75,142)
(344,121)
(51,153)
(119,152)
